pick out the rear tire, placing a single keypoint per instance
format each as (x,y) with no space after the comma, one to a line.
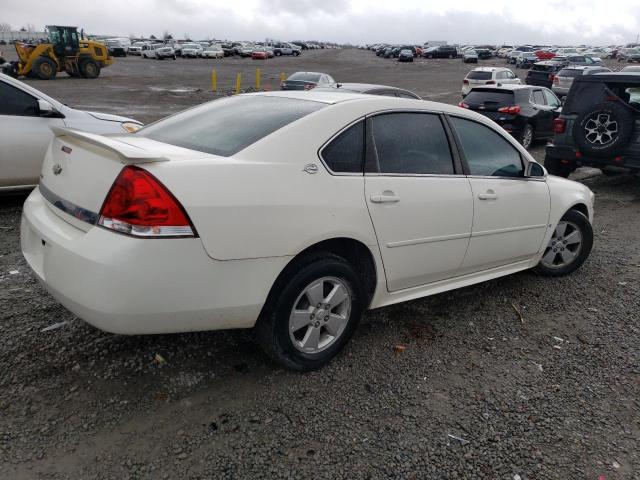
(569,246)
(305,288)
(89,68)
(44,68)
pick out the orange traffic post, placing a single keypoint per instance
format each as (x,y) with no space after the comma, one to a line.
(214,81)
(238,80)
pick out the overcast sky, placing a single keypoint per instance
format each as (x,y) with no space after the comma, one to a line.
(355,21)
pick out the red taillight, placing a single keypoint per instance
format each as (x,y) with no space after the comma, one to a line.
(552,77)
(490,82)
(556,80)
(559,125)
(465,81)
(463,105)
(511,110)
(138,204)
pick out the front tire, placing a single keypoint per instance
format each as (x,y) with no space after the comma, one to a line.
(44,68)
(312,312)
(568,247)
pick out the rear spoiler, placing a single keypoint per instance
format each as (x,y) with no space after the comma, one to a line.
(129,154)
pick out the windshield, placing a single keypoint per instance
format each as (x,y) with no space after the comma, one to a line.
(190,45)
(139,44)
(570,72)
(224,127)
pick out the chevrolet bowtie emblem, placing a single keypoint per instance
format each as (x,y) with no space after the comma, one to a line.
(57,169)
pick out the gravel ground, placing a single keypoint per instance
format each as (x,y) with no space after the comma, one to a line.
(480,391)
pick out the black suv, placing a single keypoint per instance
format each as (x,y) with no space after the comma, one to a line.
(598,125)
(526,112)
(543,73)
(443,51)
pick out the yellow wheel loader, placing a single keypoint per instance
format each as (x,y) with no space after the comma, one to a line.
(65,52)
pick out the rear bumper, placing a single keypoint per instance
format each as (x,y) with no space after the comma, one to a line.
(571,155)
(138,286)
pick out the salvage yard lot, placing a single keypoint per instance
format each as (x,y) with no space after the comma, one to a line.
(524,375)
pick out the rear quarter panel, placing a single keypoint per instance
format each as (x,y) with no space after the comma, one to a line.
(261,203)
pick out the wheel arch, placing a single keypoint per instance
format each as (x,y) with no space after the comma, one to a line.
(352,250)
(580,207)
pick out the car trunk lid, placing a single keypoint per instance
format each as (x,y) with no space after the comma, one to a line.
(79,169)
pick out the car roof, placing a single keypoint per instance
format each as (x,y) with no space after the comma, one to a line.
(359,88)
(327,97)
(503,86)
(490,69)
(621,77)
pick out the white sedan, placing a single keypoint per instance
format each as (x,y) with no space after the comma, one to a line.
(292,212)
(26,118)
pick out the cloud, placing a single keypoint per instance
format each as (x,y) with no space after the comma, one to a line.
(354,21)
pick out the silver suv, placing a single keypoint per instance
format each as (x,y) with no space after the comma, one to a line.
(564,78)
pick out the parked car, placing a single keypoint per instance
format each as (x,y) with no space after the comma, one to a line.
(544,54)
(488,76)
(564,78)
(159,51)
(192,50)
(118,47)
(597,126)
(483,53)
(526,60)
(306,81)
(631,69)
(405,56)
(213,51)
(512,56)
(629,55)
(276,226)
(582,60)
(524,111)
(543,73)
(26,119)
(369,89)
(442,51)
(136,48)
(285,49)
(246,50)
(469,56)
(259,53)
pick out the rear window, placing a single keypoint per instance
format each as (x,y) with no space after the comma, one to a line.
(569,72)
(479,76)
(224,127)
(305,77)
(480,97)
(541,68)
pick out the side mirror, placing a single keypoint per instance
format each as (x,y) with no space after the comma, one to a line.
(45,109)
(534,170)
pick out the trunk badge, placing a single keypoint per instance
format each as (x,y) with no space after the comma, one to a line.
(66,149)
(57,169)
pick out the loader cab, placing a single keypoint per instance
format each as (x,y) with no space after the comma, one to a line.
(64,40)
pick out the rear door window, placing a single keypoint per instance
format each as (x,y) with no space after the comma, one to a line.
(224,127)
(487,153)
(411,143)
(490,98)
(537,97)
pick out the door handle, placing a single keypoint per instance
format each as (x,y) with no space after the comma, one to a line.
(385,198)
(490,195)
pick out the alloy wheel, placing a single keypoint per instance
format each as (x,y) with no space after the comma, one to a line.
(319,315)
(527,137)
(564,247)
(600,129)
